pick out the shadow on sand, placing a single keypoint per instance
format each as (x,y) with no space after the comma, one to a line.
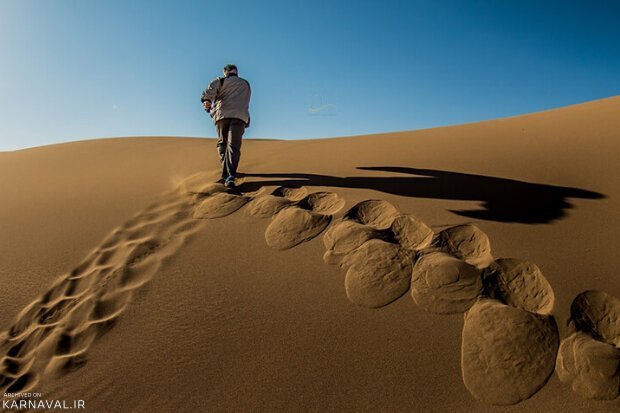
(503,200)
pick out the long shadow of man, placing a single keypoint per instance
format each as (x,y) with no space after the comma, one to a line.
(504,200)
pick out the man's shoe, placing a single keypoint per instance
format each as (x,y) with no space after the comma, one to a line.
(222,180)
(230,182)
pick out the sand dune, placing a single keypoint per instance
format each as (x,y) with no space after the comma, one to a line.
(133,281)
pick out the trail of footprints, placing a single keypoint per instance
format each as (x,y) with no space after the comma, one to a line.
(510,344)
(53,333)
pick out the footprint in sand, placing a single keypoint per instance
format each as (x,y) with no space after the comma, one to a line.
(53,333)
(589,357)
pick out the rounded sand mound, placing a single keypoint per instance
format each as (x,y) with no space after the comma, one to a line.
(220,205)
(444,284)
(293,226)
(379,273)
(589,358)
(411,233)
(591,367)
(468,243)
(597,313)
(268,205)
(520,284)
(344,237)
(291,193)
(323,202)
(374,213)
(507,354)
(296,221)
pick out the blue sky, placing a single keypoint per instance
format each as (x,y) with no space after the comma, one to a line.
(80,69)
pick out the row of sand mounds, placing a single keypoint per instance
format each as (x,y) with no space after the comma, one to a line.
(510,340)
(297,216)
(589,357)
(441,268)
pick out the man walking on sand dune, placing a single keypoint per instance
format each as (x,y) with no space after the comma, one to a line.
(227,99)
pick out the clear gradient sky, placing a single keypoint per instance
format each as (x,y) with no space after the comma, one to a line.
(80,69)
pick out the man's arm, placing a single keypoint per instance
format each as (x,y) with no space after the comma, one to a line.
(211,91)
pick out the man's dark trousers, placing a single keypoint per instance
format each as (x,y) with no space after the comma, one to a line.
(229,133)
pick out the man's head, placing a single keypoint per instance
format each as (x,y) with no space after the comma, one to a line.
(230,70)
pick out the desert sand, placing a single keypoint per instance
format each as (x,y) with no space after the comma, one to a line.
(467,268)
